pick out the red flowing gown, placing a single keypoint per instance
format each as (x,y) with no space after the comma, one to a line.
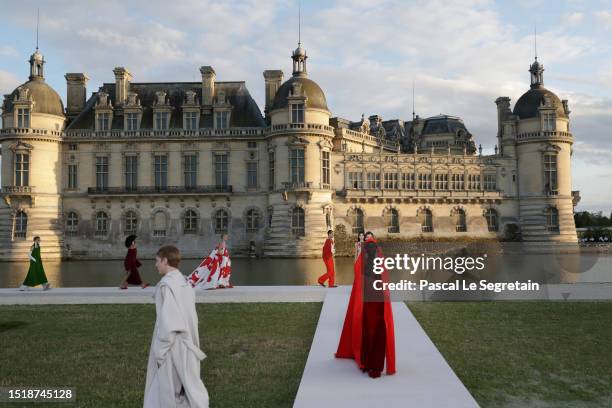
(368,321)
(131,264)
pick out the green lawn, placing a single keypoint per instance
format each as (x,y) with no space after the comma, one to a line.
(526,354)
(256,351)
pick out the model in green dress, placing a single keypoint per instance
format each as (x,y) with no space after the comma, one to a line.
(36,273)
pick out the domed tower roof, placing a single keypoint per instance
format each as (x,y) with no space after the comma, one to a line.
(527,105)
(45,99)
(314,93)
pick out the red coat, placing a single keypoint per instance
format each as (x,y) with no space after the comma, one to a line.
(327,248)
(350,340)
(131,264)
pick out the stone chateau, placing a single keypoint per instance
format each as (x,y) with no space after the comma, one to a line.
(184,162)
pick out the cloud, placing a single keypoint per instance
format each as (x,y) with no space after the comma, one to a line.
(572,19)
(604,17)
(8,82)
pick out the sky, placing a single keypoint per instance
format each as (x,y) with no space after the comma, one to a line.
(365,54)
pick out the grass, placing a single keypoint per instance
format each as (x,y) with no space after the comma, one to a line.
(525,354)
(256,352)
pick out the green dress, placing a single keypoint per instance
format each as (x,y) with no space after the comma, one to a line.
(36,273)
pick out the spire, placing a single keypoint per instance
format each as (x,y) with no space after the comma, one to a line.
(299,55)
(37,61)
(536,69)
(413,99)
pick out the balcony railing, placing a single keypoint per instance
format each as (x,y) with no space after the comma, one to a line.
(297,185)
(545,134)
(17,190)
(31,131)
(160,190)
(247,132)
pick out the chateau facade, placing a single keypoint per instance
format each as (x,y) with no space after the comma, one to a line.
(184,162)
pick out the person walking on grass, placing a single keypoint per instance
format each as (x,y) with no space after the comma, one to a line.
(36,273)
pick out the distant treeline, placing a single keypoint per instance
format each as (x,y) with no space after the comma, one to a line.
(585,219)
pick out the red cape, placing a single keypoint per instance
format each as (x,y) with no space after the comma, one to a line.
(350,340)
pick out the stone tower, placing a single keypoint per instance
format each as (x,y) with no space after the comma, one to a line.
(33,121)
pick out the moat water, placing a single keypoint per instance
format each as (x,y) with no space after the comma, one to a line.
(498,267)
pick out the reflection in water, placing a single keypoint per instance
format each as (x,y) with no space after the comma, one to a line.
(541,268)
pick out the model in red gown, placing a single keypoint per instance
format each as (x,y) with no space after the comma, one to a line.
(368,335)
(328,260)
(131,264)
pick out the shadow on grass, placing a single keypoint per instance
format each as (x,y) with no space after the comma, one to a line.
(11,325)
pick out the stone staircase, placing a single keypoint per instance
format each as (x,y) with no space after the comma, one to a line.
(533,223)
(280,241)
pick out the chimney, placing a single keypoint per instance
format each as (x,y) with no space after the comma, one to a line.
(274,79)
(76,93)
(503,112)
(208,85)
(566,106)
(122,84)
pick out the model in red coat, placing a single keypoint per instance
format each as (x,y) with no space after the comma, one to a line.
(328,260)
(131,264)
(368,334)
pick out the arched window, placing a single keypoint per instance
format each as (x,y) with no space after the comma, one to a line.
(221,222)
(357,220)
(190,222)
(552,219)
(130,222)
(297,222)
(21,225)
(101,224)
(426,220)
(393,221)
(460,225)
(159,224)
(252,220)
(72,223)
(491,217)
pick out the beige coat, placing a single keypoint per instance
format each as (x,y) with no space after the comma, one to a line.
(173,372)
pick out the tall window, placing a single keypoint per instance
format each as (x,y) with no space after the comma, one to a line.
(252,221)
(325,165)
(191,120)
(160,168)
(548,124)
(21,225)
(424,181)
(491,217)
(426,220)
(552,219)
(101,224)
(221,164)
(101,172)
(357,221)
(297,113)
(221,222)
(190,222)
(130,220)
(103,121)
(222,120)
(550,173)
(271,161)
(190,170)
(393,221)
(162,120)
(131,172)
(457,181)
(131,121)
(441,181)
(72,176)
(23,118)
(355,179)
(460,225)
(251,174)
(473,181)
(490,182)
(72,223)
(373,180)
(408,181)
(296,163)
(297,222)
(22,169)
(391,180)
(159,224)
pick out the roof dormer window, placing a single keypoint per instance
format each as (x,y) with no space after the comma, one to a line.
(161,120)
(548,121)
(103,121)
(23,118)
(297,113)
(222,119)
